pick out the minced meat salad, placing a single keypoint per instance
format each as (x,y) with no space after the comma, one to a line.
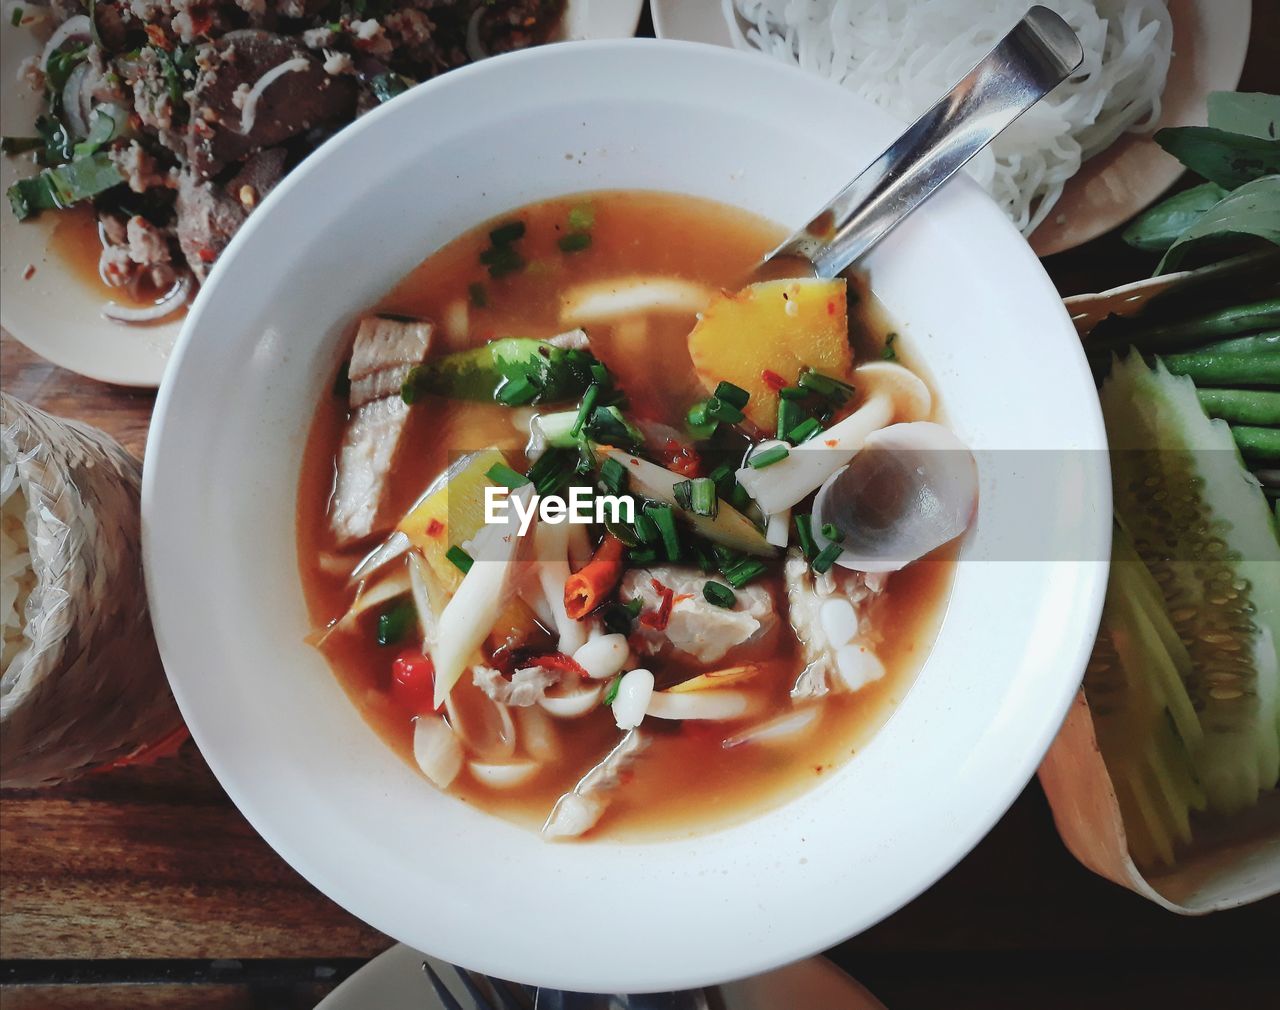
(176,117)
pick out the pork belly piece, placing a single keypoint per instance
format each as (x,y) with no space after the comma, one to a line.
(385,350)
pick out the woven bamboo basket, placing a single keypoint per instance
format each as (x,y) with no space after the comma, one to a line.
(86,686)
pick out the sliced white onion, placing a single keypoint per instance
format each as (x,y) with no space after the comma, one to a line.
(778,528)
(75,102)
(504,775)
(388,550)
(607,300)
(537,734)
(780,728)
(437,750)
(635,691)
(249,111)
(175,298)
(858,666)
(369,596)
(604,656)
(425,597)
(76,27)
(488,729)
(551,543)
(715,706)
(575,705)
(475,48)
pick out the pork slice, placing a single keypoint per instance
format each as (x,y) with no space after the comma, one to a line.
(384,352)
(227,125)
(209,214)
(527,686)
(695,627)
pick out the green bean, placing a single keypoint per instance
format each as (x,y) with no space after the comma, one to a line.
(1257,443)
(1258,343)
(1241,406)
(1209,368)
(1166,336)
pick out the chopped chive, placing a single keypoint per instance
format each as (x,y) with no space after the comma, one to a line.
(586,458)
(395,621)
(790,415)
(719,595)
(611,692)
(804,533)
(614,476)
(774,454)
(601,374)
(723,410)
(726,558)
(730,393)
(500,473)
(832,532)
(742,573)
(890,353)
(805,430)
(793,392)
(644,555)
(683,491)
(706,561)
(478,295)
(584,411)
(664,518)
(739,498)
(646,529)
(824,385)
(15,18)
(582,217)
(722,477)
(704,500)
(459,558)
(701,424)
(575,241)
(826,558)
(551,471)
(516,392)
(507,233)
(502,260)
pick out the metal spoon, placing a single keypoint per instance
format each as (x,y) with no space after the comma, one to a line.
(1037,55)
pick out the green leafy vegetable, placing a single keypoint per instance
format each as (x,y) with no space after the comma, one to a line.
(1229,159)
(1252,211)
(508,370)
(1158,228)
(64,185)
(386,86)
(1252,114)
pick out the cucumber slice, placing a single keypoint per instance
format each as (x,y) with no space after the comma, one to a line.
(1201,525)
(1146,726)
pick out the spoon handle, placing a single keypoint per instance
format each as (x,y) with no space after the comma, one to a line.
(1039,53)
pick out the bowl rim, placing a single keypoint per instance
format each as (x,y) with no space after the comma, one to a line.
(1089,586)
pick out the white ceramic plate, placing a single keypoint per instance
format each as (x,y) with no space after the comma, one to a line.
(259,349)
(394,981)
(58,315)
(1210,38)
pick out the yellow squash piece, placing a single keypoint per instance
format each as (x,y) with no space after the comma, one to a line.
(775,327)
(451,515)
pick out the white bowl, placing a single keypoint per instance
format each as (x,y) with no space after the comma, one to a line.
(221,476)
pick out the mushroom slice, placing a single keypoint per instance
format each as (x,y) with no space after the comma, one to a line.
(502,774)
(437,750)
(714,706)
(912,488)
(574,705)
(777,729)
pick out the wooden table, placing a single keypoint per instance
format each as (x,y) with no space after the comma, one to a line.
(144,887)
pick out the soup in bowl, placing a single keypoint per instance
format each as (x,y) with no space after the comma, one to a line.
(527,287)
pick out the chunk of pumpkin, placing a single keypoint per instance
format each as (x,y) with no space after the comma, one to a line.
(770,331)
(451,515)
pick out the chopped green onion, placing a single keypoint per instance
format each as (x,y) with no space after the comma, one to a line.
(743,572)
(15,18)
(575,241)
(826,558)
(611,692)
(617,617)
(701,424)
(705,559)
(889,353)
(739,498)
(790,415)
(459,558)
(793,392)
(601,374)
(551,471)
(646,528)
(395,621)
(664,517)
(582,217)
(614,476)
(516,392)
(723,410)
(500,473)
(478,294)
(825,385)
(644,556)
(608,425)
(771,455)
(730,393)
(704,500)
(622,531)
(507,233)
(804,533)
(805,430)
(719,595)
(722,477)
(832,532)
(59,187)
(502,260)
(683,492)
(584,411)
